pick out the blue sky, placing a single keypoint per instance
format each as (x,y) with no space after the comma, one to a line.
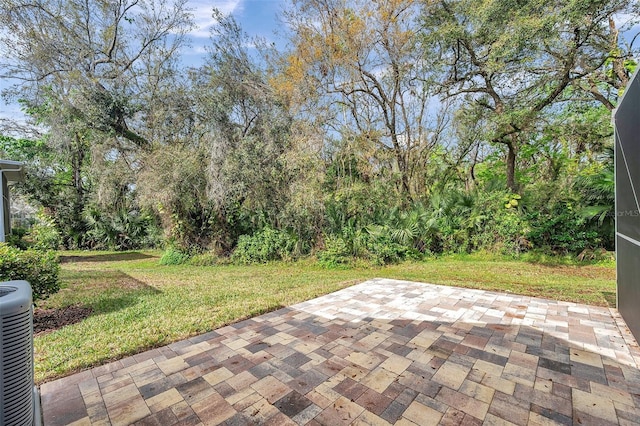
(256,17)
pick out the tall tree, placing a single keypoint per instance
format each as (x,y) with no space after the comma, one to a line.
(92,72)
(248,128)
(607,83)
(228,161)
(363,66)
(90,57)
(515,59)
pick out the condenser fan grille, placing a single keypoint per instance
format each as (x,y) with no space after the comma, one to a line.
(4,290)
(17,399)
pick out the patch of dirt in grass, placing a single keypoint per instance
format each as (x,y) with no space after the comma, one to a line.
(585,271)
(611,298)
(105,257)
(48,320)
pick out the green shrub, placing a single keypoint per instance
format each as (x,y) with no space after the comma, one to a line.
(44,233)
(264,246)
(173,256)
(382,251)
(503,231)
(206,259)
(124,229)
(336,253)
(561,229)
(376,244)
(490,221)
(40,268)
(16,239)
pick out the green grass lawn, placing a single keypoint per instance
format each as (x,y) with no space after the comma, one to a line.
(138,304)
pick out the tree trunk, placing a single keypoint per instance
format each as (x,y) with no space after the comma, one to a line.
(405,186)
(78,162)
(511,168)
(618,61)
(74,239)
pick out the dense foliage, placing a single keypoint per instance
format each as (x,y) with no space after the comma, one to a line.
(40,268)
(384,130)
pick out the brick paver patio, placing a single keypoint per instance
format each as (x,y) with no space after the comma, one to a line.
(381,352)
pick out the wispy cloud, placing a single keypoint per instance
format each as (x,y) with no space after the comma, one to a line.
(198,49)
(202,12)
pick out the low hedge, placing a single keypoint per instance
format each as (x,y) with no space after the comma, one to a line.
(264,246)
(40,268)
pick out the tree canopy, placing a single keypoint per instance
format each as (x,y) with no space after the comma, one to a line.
(383,129)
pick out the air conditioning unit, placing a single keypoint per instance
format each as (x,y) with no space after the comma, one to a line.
(17,391)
